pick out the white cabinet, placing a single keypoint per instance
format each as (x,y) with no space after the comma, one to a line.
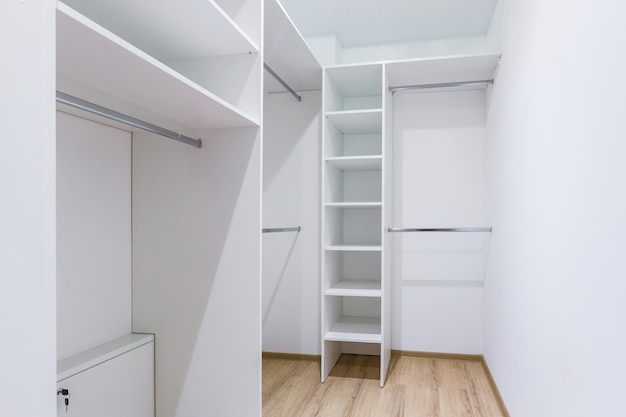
(354,204)
(113,379)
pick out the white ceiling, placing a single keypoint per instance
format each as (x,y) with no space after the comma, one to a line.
(368,22)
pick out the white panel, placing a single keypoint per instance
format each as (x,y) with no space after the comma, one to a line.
(437,319)
(286,52)
(27,210)
(174,30)
(138,85)
(227,76)
(197,267)
(439,180)
(121,387)
(291,197)
(93,234)
(362,186)
(437,70)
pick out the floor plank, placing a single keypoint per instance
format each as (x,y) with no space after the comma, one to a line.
(415,387)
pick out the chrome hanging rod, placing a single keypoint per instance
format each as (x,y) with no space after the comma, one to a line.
(439,229)
(283,83)
(478,83)
(282,229)
(122,118)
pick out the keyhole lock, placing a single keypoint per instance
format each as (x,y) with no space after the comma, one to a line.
(66,396)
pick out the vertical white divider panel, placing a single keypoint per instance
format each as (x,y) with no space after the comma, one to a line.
(291,139)
(387,184)
(27,210)
(196,269)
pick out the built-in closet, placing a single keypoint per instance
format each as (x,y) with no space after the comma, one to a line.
(158,236)
(219,197)
(404,243)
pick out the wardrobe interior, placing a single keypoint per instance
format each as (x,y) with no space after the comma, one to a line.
(219,249)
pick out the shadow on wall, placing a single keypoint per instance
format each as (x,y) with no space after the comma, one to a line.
(272,281)
(195,218)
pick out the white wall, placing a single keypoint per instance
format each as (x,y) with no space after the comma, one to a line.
(197,269)
(438,171)
(554,311)
(27,210)
(93,234)
(291,188)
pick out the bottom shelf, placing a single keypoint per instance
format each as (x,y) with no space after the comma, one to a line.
(355,329)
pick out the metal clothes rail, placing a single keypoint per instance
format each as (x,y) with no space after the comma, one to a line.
(282,82)
(282,229)
(127,120)
(477,83)
(439,229)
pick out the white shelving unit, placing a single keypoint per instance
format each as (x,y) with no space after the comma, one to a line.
(122,55)
(355,202)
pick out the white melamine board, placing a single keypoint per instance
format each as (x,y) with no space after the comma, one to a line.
(27,210)
(137,84)
(246,14)
(121,386)
(355,329)
(440,70)
(94,258)
(197,269)
(437,318)
(287,54)
(360,247)
(357,163)
(354,205)
(84,360)
(170,29)
(356,121)
(387,243)
(439,163)
(356,80)
(356,288)
(291,261)
(234,78)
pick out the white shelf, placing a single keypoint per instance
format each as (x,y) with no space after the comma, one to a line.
(97,65)
(356,288)
(441,70)
(355,329)
(355,247)
(92,357)
(357,163)
(287,53)
(171,30)
(359,204)
(357,121)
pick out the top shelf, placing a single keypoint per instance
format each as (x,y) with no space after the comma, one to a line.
(287,54)
(99,66)
(442,69)
(170,30)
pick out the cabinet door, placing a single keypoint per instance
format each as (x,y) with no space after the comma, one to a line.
(120,387)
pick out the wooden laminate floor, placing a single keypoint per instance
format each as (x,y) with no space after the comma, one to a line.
(415,387)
